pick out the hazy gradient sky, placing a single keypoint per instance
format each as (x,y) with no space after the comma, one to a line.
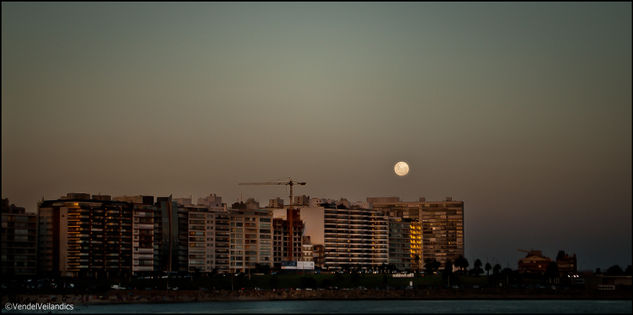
(522,110)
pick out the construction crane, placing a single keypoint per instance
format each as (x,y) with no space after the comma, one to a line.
(291,215)
(290,183)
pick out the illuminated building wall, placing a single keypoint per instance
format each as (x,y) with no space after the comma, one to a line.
(355,237)
(94,239)
(441,227)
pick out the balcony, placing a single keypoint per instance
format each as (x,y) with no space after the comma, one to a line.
(144,256)
(143,268)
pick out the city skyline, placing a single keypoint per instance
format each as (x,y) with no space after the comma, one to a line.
(521,110)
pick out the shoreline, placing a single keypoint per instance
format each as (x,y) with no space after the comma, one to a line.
(163,296)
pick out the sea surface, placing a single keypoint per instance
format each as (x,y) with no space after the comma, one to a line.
(372,307)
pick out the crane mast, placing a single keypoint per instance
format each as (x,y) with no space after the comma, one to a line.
(292,215)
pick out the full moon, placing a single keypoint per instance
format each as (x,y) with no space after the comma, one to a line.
(401,168)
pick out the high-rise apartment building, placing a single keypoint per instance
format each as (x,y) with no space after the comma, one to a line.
(94,236)
(201,239)
(355,237)
(208,239)
(288,232)
(442,230)
(193,238)
(436,229)
(18,241)
(165,234)
(405,243)
(341,234)
(48,239)
(251,239)
(182,241)
(142,232)
(222,240)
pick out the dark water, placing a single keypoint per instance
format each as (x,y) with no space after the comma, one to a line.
(375,306)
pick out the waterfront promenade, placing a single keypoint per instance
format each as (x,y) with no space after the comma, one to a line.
(164,296)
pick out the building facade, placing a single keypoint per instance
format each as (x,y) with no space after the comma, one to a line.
(567,264)
(201,244)
(287,236)
(143,211)
(276,203)
(534,262)
(251,239)
(222,241)
(405,243)
(442,230)
(208,239)
(48,240)
(436,229)
(18,241)
(356,237)
(165,235)
(307,249)
(318,255)
(94,236)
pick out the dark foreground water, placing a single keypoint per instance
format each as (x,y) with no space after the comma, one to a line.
(374,306)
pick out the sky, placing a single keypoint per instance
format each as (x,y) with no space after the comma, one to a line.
(521,110)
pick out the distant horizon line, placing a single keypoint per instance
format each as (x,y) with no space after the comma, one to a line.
(447,198)
(420,199)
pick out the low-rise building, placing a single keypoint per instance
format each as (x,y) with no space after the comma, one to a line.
(566,264)
(306,249)
(534,263)
(318,255)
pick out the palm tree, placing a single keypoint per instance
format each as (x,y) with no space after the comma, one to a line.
(478,269)
(496,269)
(461,263)
(488,267)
